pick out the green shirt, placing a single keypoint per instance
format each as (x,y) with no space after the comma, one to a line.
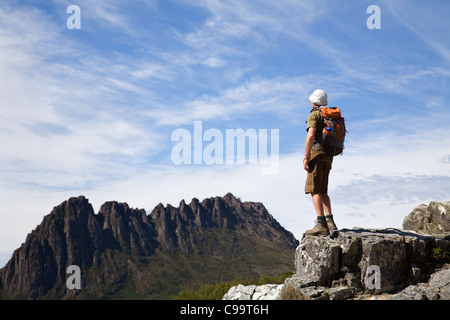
(315,120)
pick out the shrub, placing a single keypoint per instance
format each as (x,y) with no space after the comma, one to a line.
(440,255)
(217,291)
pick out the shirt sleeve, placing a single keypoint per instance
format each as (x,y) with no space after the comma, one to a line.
(313,120)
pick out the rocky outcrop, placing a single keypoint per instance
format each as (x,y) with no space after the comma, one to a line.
(123,248)
(430,219)
(362,263)
(253,292)
(69,235)
(181,229)
(388,263)
(437,288)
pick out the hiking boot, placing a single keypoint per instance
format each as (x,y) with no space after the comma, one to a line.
(330,223)
(320,228)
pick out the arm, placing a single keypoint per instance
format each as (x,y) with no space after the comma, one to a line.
(308,145)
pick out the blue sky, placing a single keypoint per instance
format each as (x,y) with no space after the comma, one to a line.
(91,111)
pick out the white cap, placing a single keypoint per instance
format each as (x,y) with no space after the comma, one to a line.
(319,98)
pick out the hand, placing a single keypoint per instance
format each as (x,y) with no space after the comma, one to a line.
(306,164)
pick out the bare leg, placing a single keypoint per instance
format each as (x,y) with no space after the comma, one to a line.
(326,203)
(318,203)
(321,227)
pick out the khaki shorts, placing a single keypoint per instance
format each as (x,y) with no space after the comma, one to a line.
(319,169)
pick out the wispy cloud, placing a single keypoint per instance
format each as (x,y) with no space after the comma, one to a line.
(54,119)
(393,189)
(423,20)
(152,70)
(278,97)
(91,111)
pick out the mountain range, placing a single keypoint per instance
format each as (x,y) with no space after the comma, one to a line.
(125,253)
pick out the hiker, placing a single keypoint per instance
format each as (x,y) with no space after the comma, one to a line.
(318,165)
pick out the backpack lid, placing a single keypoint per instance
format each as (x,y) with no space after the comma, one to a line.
(328,112)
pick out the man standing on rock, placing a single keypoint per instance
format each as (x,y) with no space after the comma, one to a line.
(318,165)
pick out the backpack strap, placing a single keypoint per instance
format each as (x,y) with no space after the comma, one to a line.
(316,108)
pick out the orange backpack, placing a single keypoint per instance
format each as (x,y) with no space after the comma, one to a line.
(334,131)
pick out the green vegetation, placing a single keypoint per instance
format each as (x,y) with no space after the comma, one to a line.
(440,255)
(217,291)
(221,258)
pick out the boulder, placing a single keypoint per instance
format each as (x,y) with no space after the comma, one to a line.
(437,288)
(430,219)
(253,292)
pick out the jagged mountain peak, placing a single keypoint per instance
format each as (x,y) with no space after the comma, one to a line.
(107,244)
(227,211)
(73,207)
